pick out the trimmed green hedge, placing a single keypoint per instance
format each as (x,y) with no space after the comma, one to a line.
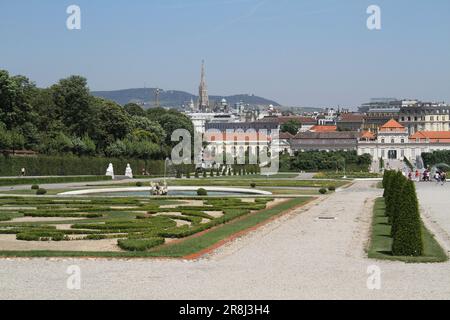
(139,244)
(402,211)
(49,180)
(72,165)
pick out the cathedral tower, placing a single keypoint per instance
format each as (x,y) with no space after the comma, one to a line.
(203,102)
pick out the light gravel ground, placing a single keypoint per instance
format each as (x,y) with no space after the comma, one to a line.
(294,257)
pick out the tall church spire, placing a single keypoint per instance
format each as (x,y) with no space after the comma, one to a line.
(203,102)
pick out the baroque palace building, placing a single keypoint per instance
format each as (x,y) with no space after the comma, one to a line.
(394,142)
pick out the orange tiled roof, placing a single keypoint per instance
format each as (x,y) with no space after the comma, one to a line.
(391,124)
(432,136)
(368,135)
(323,129)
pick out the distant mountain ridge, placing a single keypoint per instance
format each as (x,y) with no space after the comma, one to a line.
(173,98)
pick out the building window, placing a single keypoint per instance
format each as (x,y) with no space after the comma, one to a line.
(382,140)
(392,141)
(403,140)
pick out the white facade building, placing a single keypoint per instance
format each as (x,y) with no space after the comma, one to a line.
(393,142)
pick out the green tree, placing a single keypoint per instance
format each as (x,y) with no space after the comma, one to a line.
(155,132)
(15,93)
(73,101)
(17,140)
(112,123)
(292,127)
(5,139)
(134,109)
(170,121)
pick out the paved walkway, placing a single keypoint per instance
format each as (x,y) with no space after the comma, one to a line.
(295,257)
(435,202)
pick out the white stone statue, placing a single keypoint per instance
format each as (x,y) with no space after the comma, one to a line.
(129,172)
(110,171)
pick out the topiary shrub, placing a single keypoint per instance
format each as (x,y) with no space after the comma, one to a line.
(204,174)
(188,175)
(196,174)
(323,191)
(34,187)
(407,238)
(139,244)
(396,198)
(393,196)
(139,184)
(95,237)
(202,192)
(253,185)
(41,191)
(332,188)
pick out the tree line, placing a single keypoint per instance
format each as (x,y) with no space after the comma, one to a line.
(437,157)
(66,119)
(325,161)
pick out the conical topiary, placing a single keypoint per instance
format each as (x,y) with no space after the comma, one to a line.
(408,231)
(397,198)
(395,194)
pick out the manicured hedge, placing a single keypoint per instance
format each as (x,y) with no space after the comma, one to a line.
(402,210)
(72,165)
(139,244)
(48,180)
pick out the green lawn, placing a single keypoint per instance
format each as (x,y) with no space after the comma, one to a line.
(259,183)
(381,240)
(33,192)
(349,175)
(293,192)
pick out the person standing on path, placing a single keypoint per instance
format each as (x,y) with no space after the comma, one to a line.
(22,172)
(437,177)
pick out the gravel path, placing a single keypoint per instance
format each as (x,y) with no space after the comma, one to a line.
(294,257)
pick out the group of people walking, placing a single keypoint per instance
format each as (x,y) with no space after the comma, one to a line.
(439,177)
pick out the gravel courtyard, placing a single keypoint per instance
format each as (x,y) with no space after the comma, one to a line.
(303,255)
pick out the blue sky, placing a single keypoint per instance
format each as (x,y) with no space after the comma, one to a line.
(297,52)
